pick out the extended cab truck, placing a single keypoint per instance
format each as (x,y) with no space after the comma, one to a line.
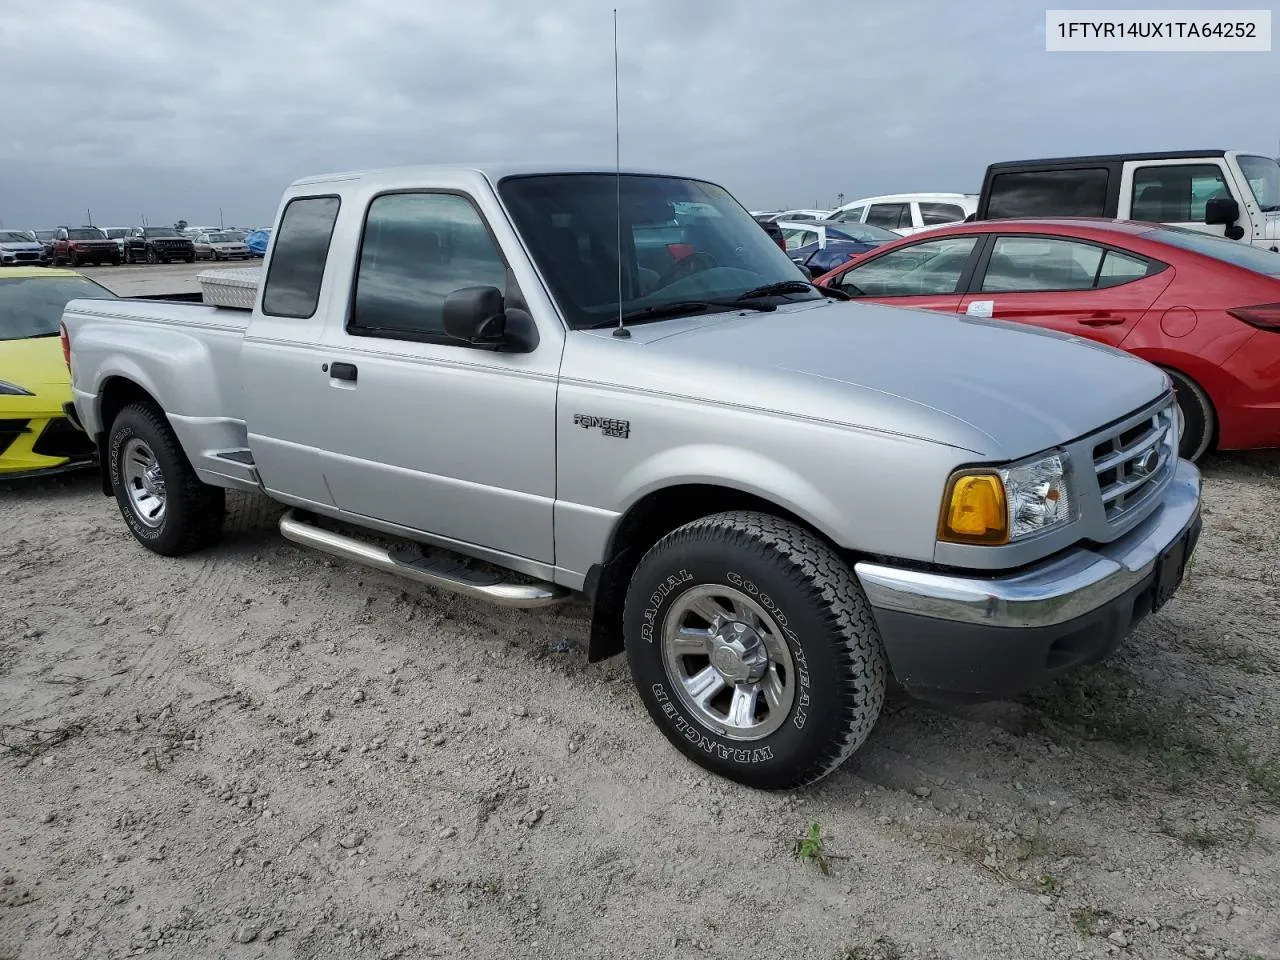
(768,496)
(1225,192)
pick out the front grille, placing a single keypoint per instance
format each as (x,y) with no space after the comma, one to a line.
(10,430)
(28,256)
(1131,462)
(60,439)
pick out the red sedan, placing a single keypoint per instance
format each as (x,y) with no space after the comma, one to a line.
(1204,308)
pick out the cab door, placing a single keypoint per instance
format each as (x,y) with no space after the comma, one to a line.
(1073,286)
(1176,192)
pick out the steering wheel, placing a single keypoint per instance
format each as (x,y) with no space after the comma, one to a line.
(685,266)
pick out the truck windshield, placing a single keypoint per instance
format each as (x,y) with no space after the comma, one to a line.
(161,232)
(86,233)
(1263,174)
(32,306)
(1228,251)
(682,240)
(12,236)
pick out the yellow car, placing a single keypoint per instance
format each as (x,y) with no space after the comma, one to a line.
(35,435)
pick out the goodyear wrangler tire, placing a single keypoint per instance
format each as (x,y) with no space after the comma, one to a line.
(754,649)
(168,509)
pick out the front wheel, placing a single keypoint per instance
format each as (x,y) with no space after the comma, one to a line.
(167,507)
(754,649)
(151,256)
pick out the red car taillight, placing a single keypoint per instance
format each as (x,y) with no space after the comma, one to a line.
(66,345)
(1264,316)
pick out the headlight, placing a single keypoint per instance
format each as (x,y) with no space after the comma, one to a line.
(998,505)
(13,390)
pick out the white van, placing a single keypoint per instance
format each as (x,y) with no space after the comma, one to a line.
(1224,192)
(908,213)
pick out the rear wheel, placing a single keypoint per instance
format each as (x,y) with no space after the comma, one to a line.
(1197,421)
(168,509)
(754,649)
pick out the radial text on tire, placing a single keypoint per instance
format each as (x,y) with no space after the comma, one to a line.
(165,505)
(754,649)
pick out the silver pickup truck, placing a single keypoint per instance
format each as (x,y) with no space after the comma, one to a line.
(771,499)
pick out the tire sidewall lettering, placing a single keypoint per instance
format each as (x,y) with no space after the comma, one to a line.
(654,603)
(800,713)
(119,437)
(698,737)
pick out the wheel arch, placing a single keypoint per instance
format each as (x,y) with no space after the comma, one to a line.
(117,392)
(647,520)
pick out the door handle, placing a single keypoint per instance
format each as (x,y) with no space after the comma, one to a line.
(343,371)
(1102,320)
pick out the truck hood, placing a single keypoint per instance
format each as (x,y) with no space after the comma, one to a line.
(998,389)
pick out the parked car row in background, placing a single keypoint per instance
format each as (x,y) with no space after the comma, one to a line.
(91,245)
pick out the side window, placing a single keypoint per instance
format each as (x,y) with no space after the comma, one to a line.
(1023,264)
(891,216)
(853,215)
(798,238)
(1048,193)
(1176,194)
(932,214)
(922,269)
(297,262)
(417,249)
(1118,268)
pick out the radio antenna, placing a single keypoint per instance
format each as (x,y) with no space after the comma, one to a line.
(621,330)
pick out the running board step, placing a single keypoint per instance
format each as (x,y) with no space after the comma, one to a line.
(438,572)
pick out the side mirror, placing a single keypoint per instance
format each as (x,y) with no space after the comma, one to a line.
(806,270)
(1223,210)
(479,317)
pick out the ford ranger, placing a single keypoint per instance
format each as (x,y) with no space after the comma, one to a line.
(538,384)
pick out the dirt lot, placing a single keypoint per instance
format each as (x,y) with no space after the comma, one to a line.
(257,752)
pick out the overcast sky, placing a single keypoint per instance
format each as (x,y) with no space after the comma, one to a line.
(172,108)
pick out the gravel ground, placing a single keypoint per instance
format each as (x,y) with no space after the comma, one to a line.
(259,752)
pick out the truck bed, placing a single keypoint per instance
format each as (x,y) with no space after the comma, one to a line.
(185,355)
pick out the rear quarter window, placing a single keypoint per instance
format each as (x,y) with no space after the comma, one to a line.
(297,260)
(1048,193)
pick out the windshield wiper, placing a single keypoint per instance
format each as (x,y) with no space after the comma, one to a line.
(1269,208)
(677,309)
(778,289)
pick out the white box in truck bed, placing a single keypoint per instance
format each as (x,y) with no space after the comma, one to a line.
(236,288)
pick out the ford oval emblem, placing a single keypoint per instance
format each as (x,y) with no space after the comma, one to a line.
(1146,465)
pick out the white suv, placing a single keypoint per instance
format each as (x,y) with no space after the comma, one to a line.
(908,213)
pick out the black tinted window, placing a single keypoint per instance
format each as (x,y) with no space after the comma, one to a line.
(297,261)
(891,216)
(417,249)
(1049,193)
(1176,194)
(932,214)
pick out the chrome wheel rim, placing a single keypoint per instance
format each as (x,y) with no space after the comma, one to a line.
(143,482)
(729,662)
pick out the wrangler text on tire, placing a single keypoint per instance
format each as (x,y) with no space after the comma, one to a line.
(166,506)
(754,649)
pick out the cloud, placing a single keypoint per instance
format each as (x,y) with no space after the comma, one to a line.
(175,108)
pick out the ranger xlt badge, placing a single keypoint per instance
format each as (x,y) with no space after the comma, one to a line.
(610,428)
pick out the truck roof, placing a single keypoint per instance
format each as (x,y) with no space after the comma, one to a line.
(493,172)
(1111,158)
